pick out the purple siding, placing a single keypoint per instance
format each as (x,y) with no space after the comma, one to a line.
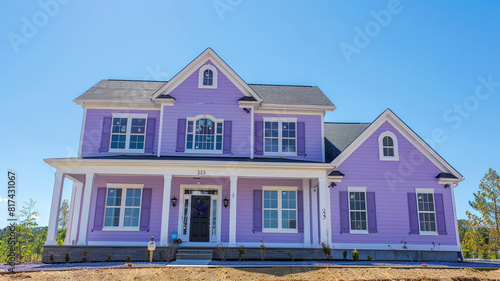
(93,129)
(221,103)
(313,143)
(244,215)
(153,182)
(391,181)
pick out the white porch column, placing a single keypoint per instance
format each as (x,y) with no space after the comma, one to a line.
(232,211)
(87,197)
(307,213)
(324,210)
(75,206)
(165,210)
(315,215)
(54,210)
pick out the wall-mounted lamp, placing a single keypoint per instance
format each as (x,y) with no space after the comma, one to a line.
(447,185)
(226,202)
(332,185)
(246,110)
(174,201)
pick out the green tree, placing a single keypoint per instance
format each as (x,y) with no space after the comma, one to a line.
(487,203)
(64,215)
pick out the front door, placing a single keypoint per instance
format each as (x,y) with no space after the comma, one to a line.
(200,219)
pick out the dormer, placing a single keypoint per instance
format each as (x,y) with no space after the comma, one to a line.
(207,77)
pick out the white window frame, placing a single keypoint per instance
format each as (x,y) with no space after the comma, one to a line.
(215,120)
(129,117)
(428,191)
(357,189)
(381,146)
(279,189)
(280,120)
(215,77)
(123,187)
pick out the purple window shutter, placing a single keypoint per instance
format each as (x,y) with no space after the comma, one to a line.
(145,209)
(301,139)
(413,213)
(257,210)
(258,135)
(300,211)
(106,134)
(440,220)
(344,211)
(372,213)
(181,135)
(227,137)
(99,208)
(150,136)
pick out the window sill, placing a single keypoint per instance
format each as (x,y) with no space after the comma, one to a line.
(358,231)
(389,159)
(207,87)
(279,154)
(120,229)
(428,233)
(137,151)
(279,231)
(203,151)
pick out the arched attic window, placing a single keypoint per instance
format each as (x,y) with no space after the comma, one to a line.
(388,146)
(207,77)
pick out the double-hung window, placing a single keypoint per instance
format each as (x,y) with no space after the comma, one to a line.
(426,211)
(128,132)
(280,136)
(204,135)
(388,146)
(123,206)
(279,209)
(357,210)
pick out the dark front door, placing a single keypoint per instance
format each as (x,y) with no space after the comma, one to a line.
(200,219)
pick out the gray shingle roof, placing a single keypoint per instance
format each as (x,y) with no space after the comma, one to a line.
(338,136)
(142,91)
(122,90)
(291,95)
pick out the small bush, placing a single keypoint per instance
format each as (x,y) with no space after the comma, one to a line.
(84,256)
(129,258)
(344,254)
(327,250)
(355,255)
(108,259)
(241,252)
(263,250)
(66,257)
(51,258)
(221,251)
(369,258)
(290,255)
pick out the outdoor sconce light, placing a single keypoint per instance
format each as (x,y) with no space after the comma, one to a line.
(226,202)
(332,184)
(174,201)
(447,185)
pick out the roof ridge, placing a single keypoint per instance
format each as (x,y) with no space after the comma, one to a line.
(347,123)
(135,80)
(259,84)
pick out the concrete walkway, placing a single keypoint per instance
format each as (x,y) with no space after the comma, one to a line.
(479,264)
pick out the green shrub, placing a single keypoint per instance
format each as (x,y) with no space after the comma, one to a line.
(355,255)
(84,256)
(108,259)
(344,254)
(66,257)
(129,258)
(327,250)
(241,252)
(369,258)
(51,258)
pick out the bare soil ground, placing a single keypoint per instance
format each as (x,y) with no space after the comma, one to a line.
(275,273)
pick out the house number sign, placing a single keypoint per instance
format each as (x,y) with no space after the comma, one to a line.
(201,172)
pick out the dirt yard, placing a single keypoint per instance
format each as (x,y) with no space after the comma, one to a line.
(276,273)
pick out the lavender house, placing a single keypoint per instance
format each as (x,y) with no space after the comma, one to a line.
(210,159)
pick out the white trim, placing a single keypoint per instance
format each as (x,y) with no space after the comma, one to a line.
(324,202)
(280,228)
(200,76)
(426,191)
(363,190)
(455,222)
(82,132)
(87,198)
(205,116)
(233,209)
(124,187)
(69,225)
(413,138)
(280,120)
(54,209)
(306,213)
(398,246)
(165,209)
(356,189)
(381,155)
(75,212)
(208,54)
(160,131)
(322,138)
(252,132)
(315,217)
(128,134)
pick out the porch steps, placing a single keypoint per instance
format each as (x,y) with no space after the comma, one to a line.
(194,254)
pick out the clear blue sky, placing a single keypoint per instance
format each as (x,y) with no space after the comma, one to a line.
(424,63)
